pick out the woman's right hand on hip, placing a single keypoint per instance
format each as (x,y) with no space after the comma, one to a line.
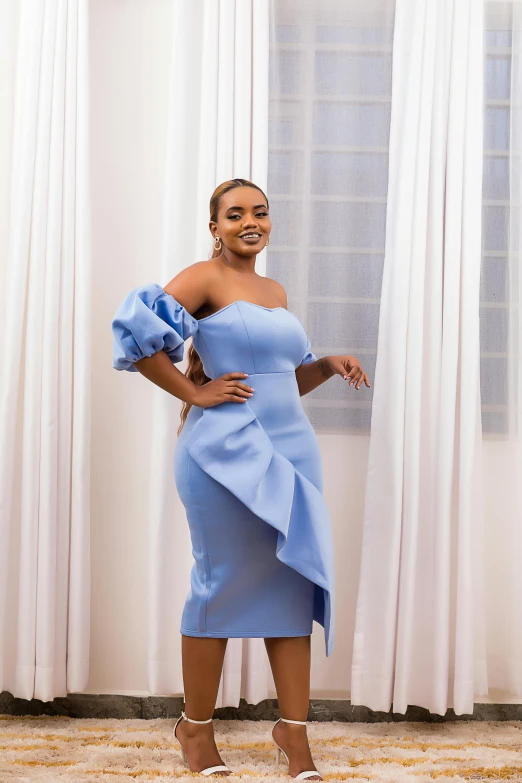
(226,388)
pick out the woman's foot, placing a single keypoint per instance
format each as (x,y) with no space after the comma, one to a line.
(292,738)
(199,745)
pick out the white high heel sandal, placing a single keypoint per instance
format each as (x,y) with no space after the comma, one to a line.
(302,775)
(208,770)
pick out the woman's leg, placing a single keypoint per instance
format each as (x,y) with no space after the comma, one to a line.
(290,659)
(202,665)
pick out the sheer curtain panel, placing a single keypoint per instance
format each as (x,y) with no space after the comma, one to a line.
(45,347)
(419,637)
(501,345)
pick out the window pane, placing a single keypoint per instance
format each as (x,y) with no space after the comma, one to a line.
(495,422)
(497,76)
(280,131)
(493,381)
(495,228)
(349,173)
(353,275)
(496,178)
(494,280)
(335,224)
(347,73)
(285,72)
(285,172)
(343,327)
(287,33)
(498,38)
(351,124)
(496,129)
(353,35)
(493,329)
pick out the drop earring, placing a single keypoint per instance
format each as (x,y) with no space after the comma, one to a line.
(267,241)
(217,246)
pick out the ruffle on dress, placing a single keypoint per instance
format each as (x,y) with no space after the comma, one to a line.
(230,445)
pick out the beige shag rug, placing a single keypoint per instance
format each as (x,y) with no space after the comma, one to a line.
(68,749)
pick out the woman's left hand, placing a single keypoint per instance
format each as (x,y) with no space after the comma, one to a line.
(349,367)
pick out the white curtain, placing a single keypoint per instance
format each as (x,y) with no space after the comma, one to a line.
(218,130)
(501,345)
(45,348)
(419,637)
(330,100)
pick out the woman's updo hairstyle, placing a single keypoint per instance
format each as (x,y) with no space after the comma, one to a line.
(194,371)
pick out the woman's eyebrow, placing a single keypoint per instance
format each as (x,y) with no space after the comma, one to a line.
(258,206)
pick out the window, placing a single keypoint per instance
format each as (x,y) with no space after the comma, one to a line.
(330,99)
(495,283)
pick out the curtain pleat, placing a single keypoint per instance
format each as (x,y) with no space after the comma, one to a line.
(420,593)
(502,340)
(45,404)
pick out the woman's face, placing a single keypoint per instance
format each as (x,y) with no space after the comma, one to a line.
(242,212)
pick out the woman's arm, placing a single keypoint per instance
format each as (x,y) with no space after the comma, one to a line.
(311,375)
(159,369)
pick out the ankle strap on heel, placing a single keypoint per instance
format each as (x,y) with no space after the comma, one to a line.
(300,722)
(195,721)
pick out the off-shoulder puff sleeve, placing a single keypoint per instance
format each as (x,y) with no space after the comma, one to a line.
(309,356)
(149,320)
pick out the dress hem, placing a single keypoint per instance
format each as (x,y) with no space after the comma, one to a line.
(247,635)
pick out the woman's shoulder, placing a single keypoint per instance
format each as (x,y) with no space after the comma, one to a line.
(191,286)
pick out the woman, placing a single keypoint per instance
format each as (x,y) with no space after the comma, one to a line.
(247,468)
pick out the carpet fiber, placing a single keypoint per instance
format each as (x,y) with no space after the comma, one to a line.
(68,749)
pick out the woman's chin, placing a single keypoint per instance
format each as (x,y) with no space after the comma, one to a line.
(249,250)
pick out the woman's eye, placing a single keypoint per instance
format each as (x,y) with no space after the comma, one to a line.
(258,214)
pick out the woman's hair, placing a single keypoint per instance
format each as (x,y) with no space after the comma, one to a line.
(195,371)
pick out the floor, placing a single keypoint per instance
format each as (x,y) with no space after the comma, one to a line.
(56,748)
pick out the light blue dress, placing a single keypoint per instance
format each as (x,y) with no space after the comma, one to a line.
(248,473)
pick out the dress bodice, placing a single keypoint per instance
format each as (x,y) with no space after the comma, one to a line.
(246,337)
